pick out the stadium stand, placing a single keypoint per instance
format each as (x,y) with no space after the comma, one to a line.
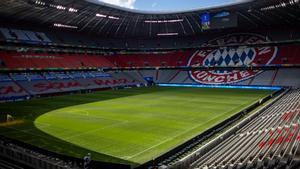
(24,36)
(28,84)
(20,85)
(178,58)
(288,77)
(268,139)
(9,90)
(32,60)
(285,55)
(76,51)
(33,159)
(35,84)
(66,38)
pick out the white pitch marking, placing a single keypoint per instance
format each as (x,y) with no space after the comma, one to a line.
(171,138)
(92,131)
(43,124)
(86,114)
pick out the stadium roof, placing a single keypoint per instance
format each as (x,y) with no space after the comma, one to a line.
(138,11)
(112,21)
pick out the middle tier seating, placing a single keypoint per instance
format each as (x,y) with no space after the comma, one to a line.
(284,55)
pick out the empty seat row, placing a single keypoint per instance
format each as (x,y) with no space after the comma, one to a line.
(24,35)
(270,140)
(22,85)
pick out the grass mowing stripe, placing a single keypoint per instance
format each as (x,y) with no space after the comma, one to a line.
(180,134)
(128,126)
(175,136)
(93,131)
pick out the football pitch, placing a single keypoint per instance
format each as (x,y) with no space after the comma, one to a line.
(129,126)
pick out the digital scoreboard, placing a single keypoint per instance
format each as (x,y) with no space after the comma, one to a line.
(205,21)
(218,20)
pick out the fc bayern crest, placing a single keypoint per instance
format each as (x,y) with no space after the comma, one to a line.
(231,56)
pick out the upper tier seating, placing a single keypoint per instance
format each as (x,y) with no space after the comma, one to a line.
(24,36)
(59,36)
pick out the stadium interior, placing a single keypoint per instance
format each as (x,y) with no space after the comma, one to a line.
(86,84)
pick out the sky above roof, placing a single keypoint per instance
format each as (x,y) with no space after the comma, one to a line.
(168,5)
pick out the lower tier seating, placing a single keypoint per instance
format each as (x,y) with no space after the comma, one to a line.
(280,77)
(10,90)
(270,140)
(28,84)
(16,85)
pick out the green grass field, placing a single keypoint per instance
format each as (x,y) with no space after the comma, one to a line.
(130,126)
